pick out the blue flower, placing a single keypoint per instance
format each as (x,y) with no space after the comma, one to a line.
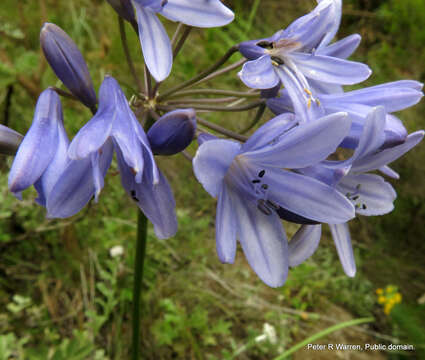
(252,181)
(370,194)
(154,40)
(115,122)
(393,96)
(302,51)
(9,140)
(68,64)
(64,186)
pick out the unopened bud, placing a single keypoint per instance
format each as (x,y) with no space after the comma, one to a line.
(173,132)
(68,64)
(9,140)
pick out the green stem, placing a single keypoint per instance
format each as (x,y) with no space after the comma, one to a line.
(321,334)
(184,93)
(142,227)
(249,106)
(203,74)
(221,130)
(256,120)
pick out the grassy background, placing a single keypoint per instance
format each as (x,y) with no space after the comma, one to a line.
(63,297)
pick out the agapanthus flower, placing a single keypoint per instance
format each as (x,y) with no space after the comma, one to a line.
(68,64)
(370,194)
(393,96)
(301,51)
(9,140)
(173,132)
(64,186)
(115,122)
(154,40)
(252,181)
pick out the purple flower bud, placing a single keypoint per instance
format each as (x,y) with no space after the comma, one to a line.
(173,132)
(9,140)
(68,64)
(125,9)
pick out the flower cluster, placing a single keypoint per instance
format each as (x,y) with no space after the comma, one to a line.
(291,168)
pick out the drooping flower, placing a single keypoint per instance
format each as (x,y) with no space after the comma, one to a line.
(253,180)
(154,40)
(301,50)
(9,140)
(64,186)
(116,123)
(68,64)
(370,194)
(393,96)
(173,132)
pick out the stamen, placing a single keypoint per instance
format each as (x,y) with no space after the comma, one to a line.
(256,181)
(308,92)
(264,186)
(262,206)
(277,60)
(261,173)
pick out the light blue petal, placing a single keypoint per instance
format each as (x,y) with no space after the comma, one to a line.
(155,200)
(225,228)
(263,241)
(387,171)
(211,162)
(39,144)
(270,132)
(373,135)
(384,157)
(342,239)
(330,69)
(91,137)
(374,197)
(336,13)
(76,187)
(343,48)
(155,43)
(304,243)
(200,13)
(307,197)
(259,74)
(56,167)
(306,144)
(391,95)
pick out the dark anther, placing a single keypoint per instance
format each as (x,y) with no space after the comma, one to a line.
(364,207)
(256,181)
(355,197)
(278,60)
(133,195)
(265,44)
(261,173)
(264,186)
(262,206)
(273,205)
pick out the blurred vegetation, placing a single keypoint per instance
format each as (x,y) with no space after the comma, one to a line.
(62,296)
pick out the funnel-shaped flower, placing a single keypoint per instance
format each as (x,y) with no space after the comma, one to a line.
(370,194)
(173,132)
(115,122)
(9,140)
(64,186)
(295,49)
(154,40)
(253,180)
(68,64)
